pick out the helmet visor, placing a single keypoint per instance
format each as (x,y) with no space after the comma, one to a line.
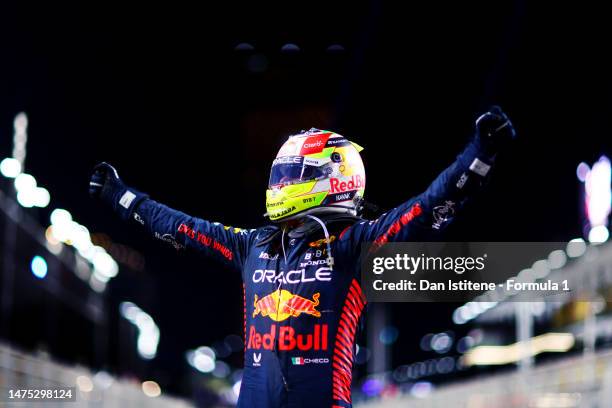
(292,170)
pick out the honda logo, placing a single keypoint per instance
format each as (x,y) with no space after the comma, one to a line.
(256,359)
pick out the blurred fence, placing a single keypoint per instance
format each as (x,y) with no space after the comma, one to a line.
(584,381)
(19,370)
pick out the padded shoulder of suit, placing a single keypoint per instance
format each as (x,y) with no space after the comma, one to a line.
(266,234)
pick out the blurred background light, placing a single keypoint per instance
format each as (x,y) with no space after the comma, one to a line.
(576,247)
(10,167)
(26,198)
(499,355)
(103,380)
(388,335)
(236,388)
(442,342)
(582,171)
(599,234)
(244,47)
(421,389)
(151,389)
(598,196)
(41,197)
(426,342)
(557,259)
(202,359)
(20,137)
(60,216)
(222,370)
(465,343)
(84,383)
(38,265)
(148,332)
(335,48)
(25,182)
(290,48)
(372,387)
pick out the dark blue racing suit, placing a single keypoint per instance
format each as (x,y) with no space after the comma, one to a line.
(301,316)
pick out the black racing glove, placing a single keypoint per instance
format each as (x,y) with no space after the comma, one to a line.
(494,130)
(106,185)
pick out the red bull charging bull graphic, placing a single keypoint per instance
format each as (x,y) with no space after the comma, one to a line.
(278,306)
(282,304)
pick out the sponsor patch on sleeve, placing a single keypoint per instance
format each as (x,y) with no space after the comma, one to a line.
(479,167)
(126,199)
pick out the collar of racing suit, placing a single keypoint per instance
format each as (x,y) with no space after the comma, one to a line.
(308,227)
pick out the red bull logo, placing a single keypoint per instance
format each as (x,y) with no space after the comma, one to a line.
(282,304)
(322,241)
(288,339)
(340,186)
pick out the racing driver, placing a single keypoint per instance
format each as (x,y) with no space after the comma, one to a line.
(302,297)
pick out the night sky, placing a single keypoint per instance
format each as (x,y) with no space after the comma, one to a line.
(162,94)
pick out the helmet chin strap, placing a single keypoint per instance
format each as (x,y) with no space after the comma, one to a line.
(330,258)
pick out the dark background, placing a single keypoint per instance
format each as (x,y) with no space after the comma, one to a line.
(161,93)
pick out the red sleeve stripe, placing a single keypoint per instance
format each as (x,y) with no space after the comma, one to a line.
(342,359)
(341,391)
(348,327)
(354,303)
(397,226)
(349,318)
(341,376)
(355,311)
(346,349)
(356,286)
(345,353)
(345,338)
(344,356)
(245,318)
(341,365)
(357,297)
(340,385)
(341,388)
(345,328)
(340,342)
(343,232)
(352,307)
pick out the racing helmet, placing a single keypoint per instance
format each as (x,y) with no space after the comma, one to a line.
(317,171)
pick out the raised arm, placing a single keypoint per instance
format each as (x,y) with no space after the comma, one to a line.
(424,216)
(178,229)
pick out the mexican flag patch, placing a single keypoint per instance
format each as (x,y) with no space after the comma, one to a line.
(297,360)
